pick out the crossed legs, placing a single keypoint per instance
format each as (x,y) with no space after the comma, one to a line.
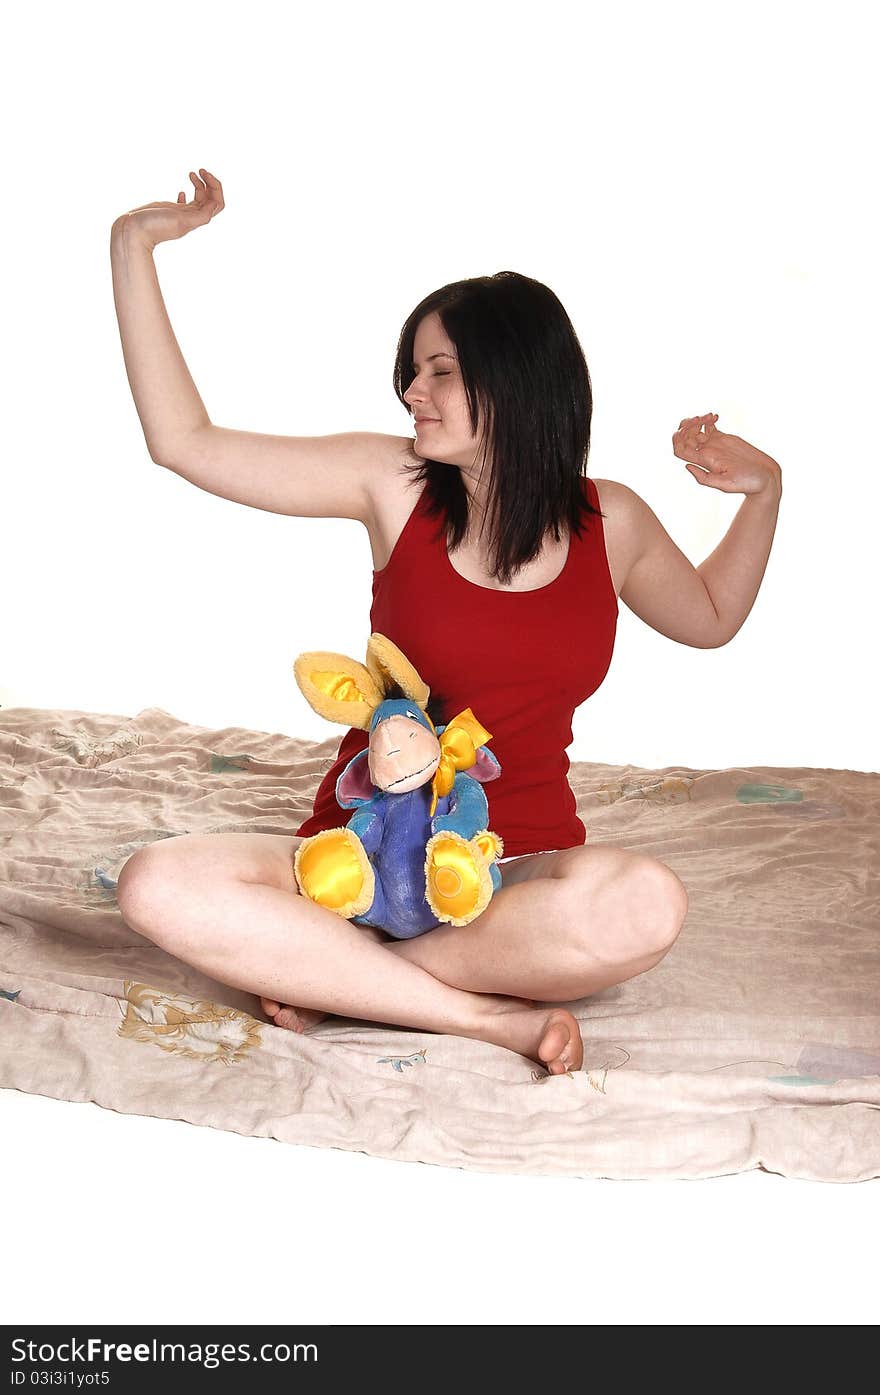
(562,926)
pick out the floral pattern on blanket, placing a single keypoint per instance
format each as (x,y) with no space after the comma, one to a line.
(790,801)
(100,874)
(221,763)
(767,794)
(677,789)
(90,750)
(824,1063)
(818,1063)
(416,1058)
(658,789)
(192,1027)
(597,1075)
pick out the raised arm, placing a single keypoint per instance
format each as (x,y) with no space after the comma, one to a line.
(165,396)
(702,606)
(334,476)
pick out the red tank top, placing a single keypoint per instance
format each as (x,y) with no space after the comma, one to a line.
(521,660)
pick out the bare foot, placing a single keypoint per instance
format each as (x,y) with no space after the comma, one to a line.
(551,1036)
(295,1019)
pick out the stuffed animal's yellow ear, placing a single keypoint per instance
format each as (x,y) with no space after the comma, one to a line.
(338,688)
(388,664)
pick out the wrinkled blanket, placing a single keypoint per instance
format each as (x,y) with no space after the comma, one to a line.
(754,1043)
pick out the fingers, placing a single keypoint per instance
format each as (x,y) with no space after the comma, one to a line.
(688,441)
(699,474)
(208,197)
(689,436)
(215,188)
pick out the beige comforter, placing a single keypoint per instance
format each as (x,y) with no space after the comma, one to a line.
(754,1043)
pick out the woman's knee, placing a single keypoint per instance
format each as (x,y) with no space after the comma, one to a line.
(627,905)
(168,873)
(667,901)
(138,889)
(657,902)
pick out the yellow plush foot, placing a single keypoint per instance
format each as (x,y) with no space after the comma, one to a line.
(332,868)
(457,881)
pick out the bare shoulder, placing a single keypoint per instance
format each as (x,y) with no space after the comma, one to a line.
(395,456)
(623,511)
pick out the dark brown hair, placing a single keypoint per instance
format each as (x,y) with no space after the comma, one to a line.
(525,372)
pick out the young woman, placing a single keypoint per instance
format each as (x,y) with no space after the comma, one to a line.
(497,570)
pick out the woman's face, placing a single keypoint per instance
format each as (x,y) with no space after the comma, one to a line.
(437,393)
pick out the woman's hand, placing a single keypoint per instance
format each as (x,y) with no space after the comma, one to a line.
(162,222)
(728,462)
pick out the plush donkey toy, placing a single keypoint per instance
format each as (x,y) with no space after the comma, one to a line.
(417,850)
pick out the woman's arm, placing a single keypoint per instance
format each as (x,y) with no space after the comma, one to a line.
(735,570)
(165,396)
(335,476)
(703,606)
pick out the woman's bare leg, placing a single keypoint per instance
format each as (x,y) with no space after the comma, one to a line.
(184,894)
(564,925)
(300,1019)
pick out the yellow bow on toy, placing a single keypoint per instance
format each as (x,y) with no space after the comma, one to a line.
(458,751)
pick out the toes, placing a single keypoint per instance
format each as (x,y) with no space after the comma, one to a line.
(553,1043)
(310,1017)
(288,1018)
(561,1048)
(293,1018)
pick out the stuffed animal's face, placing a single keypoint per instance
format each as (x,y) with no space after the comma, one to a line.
(403,754)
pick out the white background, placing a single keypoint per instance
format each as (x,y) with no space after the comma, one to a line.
(694,183)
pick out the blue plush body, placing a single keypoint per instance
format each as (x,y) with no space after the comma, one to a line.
(394,830)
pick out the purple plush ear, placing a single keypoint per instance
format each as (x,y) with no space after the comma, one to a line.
(354,784)
(487,767)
